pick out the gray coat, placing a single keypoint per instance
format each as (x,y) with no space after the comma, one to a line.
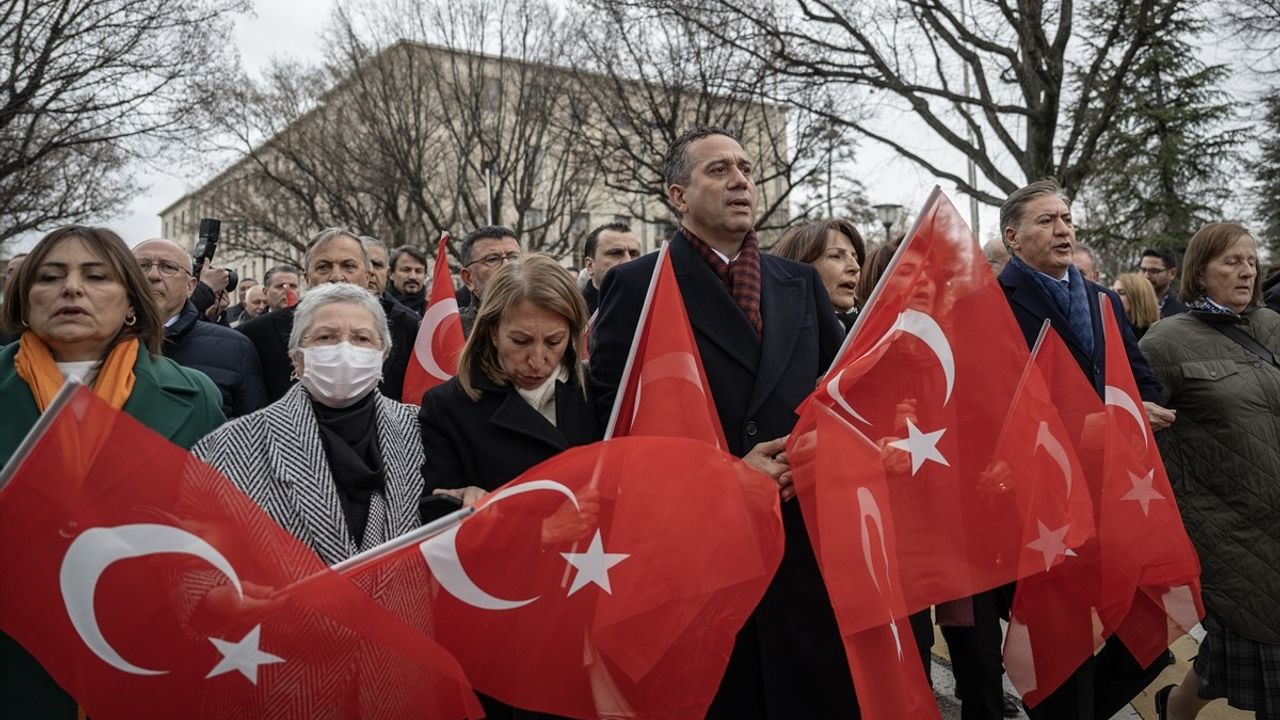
(276,457)
(1223,457)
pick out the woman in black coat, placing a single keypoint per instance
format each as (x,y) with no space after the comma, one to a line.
(519,396)
(518,399)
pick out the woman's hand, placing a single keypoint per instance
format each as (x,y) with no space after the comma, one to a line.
(570,524)
(469,495)
(224,601)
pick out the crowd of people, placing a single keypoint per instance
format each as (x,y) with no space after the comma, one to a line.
(295,396)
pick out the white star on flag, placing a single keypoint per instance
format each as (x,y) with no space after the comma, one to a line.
(1050,543)
(922,446)
(243,656)
(593,565)
(1142,491)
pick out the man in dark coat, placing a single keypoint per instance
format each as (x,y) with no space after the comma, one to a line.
(765,330)
(333,255)
(226,356)
(483,253)
(1160,266)
(1040,282)
(605,248)
(407,281)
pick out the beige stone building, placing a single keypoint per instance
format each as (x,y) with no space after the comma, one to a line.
(521,141)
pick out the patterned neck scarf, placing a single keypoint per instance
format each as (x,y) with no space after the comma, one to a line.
(1204,304)
(740,277)
(1070,297)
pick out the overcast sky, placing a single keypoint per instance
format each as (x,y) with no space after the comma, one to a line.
(291,28)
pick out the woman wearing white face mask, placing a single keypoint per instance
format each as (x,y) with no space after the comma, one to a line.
(310,459)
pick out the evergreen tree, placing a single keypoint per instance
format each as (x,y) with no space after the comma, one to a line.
(1163,169)
(1266,171)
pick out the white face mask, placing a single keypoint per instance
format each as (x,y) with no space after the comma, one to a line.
(338,375)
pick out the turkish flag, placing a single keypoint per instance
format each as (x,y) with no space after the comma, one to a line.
(440,340)
(608,581)
(664,389)
(930,373)
(148,586)
(1057,619)
(838,478)
(1144,541)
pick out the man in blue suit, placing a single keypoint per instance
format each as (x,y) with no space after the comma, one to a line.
(765,330)
(1041,282)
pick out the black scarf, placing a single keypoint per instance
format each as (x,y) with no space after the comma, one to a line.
(350,439)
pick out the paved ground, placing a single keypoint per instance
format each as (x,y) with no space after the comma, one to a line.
(1184,650)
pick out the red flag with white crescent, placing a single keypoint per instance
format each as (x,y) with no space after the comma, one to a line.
(664,388)
(839,477)
(929,373)
(440,340)
(608,581)
(149,586)
(1144,541)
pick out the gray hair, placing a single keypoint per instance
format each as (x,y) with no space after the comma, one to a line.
(333,233)
(369,241)
(1012,210)
(329,294)
(677,168)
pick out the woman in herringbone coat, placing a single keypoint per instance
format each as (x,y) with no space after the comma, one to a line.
(310,459)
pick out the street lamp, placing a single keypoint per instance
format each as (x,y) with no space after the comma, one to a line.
(888,215)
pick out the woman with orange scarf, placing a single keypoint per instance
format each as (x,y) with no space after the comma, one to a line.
(84,310)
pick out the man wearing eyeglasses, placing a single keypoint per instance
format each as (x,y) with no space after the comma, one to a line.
(226,356)
(483,253)
(1160,266)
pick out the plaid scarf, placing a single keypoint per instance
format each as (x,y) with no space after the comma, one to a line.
(740,277)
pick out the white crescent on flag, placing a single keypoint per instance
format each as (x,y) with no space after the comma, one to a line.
(912,322)
(95,549)
(1121,399)
(441,553)
(436,314)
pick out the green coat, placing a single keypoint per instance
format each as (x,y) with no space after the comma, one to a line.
(182,405)
(1223,457)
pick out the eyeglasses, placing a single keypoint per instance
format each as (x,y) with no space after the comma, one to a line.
(1152,271)
(495,260)
(166,268)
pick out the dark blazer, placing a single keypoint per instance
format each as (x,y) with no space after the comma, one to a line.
(490,441)
(1172,305)
(789,660)
(182,405)
(227,357)
(1031,306)
(270,335)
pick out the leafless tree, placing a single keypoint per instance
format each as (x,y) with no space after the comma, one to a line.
(1023,89)
(648,79)
(88,86)
(426,114)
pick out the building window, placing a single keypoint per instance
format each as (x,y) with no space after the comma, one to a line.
(491,94)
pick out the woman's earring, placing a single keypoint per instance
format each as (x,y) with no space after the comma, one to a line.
(131,320)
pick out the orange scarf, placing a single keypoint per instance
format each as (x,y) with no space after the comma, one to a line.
(36,366)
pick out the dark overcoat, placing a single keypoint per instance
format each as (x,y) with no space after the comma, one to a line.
(789,661)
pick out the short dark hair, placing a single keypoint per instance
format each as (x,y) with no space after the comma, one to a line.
(676,167)
(287,268)
(488,232)
(148,326)
(1014,206)
(593,237)
(1208,243)
(409,250)
(1165,255)
(806,243)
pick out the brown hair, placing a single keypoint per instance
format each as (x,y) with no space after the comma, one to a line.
(1208,243)
(148,326)
(874,268)
(541,280)
(806,243)
(1141,299)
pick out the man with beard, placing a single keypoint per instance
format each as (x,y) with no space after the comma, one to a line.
(1159,266)
(409,278)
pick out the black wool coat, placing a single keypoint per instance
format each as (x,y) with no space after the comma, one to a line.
(789,660)
(488,442)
